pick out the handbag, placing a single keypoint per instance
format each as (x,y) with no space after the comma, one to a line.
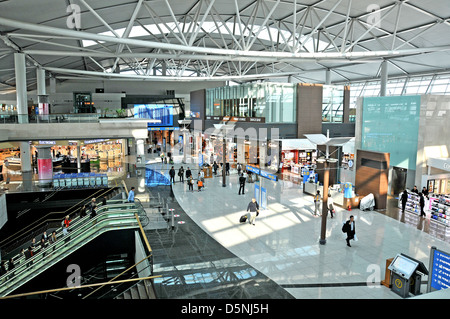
(355,238)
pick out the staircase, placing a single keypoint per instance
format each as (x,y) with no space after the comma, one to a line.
(142,290)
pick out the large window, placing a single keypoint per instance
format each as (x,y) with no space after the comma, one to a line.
(333,104)
(275,102)
(437,84)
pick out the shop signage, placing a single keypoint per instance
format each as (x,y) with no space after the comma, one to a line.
(237,119)
(439,163)
(94,141)
(47,142)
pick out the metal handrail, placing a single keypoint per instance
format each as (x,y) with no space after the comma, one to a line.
(77,287)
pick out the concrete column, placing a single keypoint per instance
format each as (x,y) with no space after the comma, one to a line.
(45,165)
(40,75)
(25,156)
(21,87)
(384,78)
(52,86)
(140,152)
(78,157)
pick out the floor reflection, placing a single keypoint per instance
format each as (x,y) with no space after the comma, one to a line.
(194,265)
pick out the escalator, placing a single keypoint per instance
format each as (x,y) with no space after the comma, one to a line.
(12,241)
(115,216)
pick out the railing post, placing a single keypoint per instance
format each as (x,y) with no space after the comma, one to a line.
(173,218)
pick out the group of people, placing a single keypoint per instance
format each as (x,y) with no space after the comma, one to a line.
(189,178)
(422,195)
(215,167)
(330,204)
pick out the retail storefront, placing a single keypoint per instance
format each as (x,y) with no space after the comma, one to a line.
(297,154)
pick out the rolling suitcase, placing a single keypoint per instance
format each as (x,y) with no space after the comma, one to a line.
(243,219)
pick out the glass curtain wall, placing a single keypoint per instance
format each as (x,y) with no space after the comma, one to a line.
(275,102)
(333,104)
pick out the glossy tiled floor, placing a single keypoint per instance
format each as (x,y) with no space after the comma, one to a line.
(284,243)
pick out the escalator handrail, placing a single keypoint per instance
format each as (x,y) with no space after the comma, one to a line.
(101,225)
(24,232)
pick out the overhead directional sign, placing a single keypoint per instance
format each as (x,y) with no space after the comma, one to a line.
(258,171)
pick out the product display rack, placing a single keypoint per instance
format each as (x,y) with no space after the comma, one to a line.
(413,203)
(440,209)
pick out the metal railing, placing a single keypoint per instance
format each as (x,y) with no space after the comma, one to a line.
(14,118)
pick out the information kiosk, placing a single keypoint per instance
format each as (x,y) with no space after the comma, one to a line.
(405,275)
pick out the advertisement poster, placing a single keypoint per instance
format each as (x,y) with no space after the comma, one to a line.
(45,169)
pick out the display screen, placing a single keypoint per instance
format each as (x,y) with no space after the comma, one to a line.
(404,266)
(164,113)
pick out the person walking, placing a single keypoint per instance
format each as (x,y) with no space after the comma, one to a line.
(10,268)
(330,203)
(67,221)
(28,255)
(188,173)
(83,211)
(253,208)
(404,199)
(227,168)
(190,182)
(239,168)
(200,182)
(422,205)
(44,245)
(172,175)
(317,199)
(215,167)
(181,174)
(130,198)
(241,184)
(349,228)
(425,192)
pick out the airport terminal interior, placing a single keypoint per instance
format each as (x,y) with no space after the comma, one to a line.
(224,150)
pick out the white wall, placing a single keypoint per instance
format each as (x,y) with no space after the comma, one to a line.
(434,132)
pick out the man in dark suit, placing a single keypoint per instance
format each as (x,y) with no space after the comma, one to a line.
(349,228)
(241,184)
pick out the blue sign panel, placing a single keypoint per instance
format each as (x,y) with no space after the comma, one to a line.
(257,192)
(440,275)
(268,176)
(258,171)
(253,169)
(263,198)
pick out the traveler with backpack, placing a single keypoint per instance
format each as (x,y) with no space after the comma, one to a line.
(349,228)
